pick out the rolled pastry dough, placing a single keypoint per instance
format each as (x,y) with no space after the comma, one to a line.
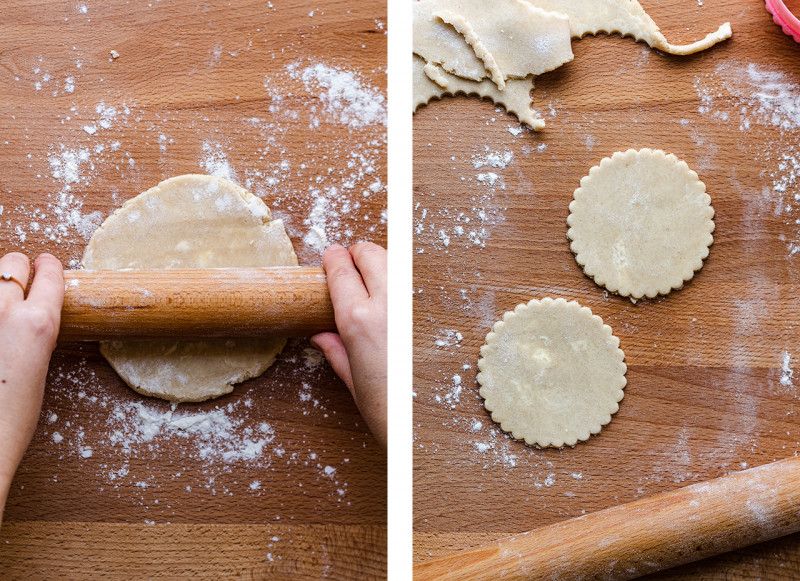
(513,37)
(551,373)
(641,223)
(190,221)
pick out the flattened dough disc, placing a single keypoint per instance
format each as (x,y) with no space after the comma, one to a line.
(190,221)
(641,223)
(551,373)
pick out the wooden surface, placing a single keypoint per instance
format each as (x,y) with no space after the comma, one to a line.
(216,302)
(707,394)
(284,479)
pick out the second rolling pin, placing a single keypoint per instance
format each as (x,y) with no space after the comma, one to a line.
(224,302)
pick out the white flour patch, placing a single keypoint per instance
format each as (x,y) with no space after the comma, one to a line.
(215,162)
(347,98)
(66,164)
(786,371)
(497,159)
(448,338)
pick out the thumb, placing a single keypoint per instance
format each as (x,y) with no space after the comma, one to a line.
(332,347)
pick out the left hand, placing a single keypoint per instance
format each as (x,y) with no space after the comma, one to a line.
(28,331)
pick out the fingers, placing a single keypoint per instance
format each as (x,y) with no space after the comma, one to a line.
(47,288)
(332,347)
(370,259)
(18,266)
(344,281)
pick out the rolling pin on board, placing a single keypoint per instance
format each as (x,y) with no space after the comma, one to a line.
(219,302)
(644,536)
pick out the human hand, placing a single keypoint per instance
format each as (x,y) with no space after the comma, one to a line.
(28,330)
(357,283)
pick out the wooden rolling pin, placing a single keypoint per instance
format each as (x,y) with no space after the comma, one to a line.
(223,302)
(644,536)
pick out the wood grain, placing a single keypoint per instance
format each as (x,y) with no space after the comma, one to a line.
(704,395)
(235,302)
(74,550)
(198,87)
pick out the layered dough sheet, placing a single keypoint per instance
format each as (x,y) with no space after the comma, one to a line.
(468,47)
(433,82)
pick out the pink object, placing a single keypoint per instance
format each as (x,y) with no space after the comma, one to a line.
(784,18)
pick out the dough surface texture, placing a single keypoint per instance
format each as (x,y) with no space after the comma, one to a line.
(512,39)
(641,223)
(551,373)
(432,82)
(190,221)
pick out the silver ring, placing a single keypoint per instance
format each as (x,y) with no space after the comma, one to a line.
(9,276)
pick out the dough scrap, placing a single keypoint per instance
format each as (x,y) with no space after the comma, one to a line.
(521,39)
(641,223)
(627,18)
(551,373)
(431,81)
(464,28)
(190,221)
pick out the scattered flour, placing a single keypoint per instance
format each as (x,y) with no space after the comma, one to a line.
(786,371)
(215,162)
(345,95)
(492,158)
(448,338)
(219,439)
(752,95)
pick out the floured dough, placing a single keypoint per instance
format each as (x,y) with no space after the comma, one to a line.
(551,373)
(515,38)
(462,44)
(190,221)
(641,223)
(516,97)
(626,17)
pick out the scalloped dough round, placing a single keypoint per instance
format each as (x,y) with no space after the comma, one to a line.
(640,223)
(190,221)
(551,373)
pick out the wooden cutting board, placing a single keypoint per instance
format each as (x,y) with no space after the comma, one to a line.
(281,477)
(712,386)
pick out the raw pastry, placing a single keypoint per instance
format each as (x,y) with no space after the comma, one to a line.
(190,221)
(551,373)
(626,17)
(516,97)
(472,43)
(519,39)
(641,223)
